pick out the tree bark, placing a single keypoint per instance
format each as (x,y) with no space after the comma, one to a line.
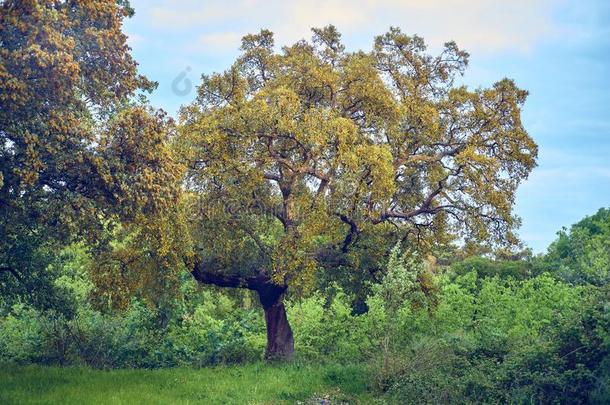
(280,341)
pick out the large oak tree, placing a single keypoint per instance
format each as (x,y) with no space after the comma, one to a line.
(295,155)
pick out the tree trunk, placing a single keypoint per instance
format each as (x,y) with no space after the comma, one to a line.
(280,342)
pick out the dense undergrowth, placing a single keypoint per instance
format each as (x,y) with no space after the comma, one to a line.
(489,340)
(492,332)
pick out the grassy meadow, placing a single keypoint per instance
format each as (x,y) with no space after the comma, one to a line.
(249,384)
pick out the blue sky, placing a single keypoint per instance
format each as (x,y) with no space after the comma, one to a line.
(558,50)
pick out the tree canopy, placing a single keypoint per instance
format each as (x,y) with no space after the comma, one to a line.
(295,155)
(581,254)
(78,150)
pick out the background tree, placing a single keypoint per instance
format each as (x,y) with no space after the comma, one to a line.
(295,157)
(581,254)
(77,152)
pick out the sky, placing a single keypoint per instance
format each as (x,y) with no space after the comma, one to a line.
(559,50)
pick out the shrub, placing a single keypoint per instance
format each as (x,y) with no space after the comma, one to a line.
(213,333)
(328,331)
(537,340)
(20,335)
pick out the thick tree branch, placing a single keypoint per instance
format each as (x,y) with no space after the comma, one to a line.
(351,235)
(210,273)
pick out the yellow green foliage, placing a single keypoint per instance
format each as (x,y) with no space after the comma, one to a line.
(327,143)
(77,153)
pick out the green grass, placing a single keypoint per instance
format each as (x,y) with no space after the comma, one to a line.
(249,384)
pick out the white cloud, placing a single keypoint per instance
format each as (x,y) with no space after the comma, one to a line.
(218,41)
(179,14)
(477,25)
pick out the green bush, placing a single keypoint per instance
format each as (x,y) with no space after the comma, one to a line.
(137,338)
(532,341)
(328,331)
(20,335)
(216,332)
